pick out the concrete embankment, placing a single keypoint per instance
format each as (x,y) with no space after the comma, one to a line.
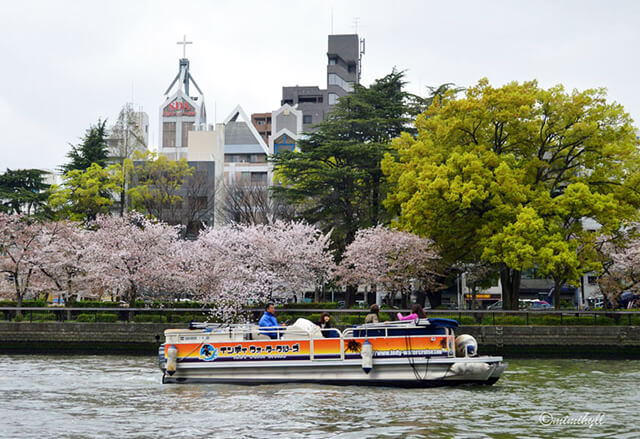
(82,338)
(144,338)
(557,341)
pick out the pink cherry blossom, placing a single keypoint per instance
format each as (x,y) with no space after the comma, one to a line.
(62,259)
(389,258)
(622,272)
(237,265)
(130,255)
(20,245)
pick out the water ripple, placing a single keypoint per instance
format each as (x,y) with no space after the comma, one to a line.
(114,396)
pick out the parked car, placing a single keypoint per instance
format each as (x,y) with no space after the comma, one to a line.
(522,304)
(539,305)
(627,299)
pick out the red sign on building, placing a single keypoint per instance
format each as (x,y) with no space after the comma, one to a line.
(179,107)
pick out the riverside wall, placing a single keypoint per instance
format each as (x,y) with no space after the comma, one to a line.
(144,338)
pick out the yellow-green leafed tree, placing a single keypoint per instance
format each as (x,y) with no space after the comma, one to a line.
(84,194)
(508,175)
(156,185)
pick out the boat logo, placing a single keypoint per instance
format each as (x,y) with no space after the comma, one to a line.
(354,346)
(208,352)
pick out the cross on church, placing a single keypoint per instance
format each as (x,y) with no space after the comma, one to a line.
(184,43)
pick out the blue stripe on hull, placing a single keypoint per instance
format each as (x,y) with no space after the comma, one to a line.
(384,383)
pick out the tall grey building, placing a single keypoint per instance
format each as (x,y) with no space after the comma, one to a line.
(343,70)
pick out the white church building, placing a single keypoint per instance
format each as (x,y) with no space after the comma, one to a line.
(238,151)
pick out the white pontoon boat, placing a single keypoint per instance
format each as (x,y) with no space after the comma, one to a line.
(419,353)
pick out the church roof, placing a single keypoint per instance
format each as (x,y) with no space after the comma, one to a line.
(238,133)
(240,136)
(243,149)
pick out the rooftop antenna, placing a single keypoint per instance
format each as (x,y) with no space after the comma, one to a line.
(362,50)
(332,21)
(355,23)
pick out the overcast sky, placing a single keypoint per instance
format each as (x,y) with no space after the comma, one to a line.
(64,64)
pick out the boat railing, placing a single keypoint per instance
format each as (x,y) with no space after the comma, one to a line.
(249,331)
(221,333)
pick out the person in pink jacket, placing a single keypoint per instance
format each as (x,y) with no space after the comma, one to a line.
(416,313)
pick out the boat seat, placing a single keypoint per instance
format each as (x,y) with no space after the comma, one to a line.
(257,335)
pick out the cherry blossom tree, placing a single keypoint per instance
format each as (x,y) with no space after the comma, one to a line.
(62,259)
(235,265)
(622,263)
(130,254)
(20,245)
(389,258)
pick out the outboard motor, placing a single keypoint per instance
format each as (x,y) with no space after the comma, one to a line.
(172,359)
(367,356)
(466,346)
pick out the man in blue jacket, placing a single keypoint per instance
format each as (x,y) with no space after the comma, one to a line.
(269,320)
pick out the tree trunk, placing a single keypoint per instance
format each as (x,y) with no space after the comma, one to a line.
(19,304)
(421,297)
(474,300)
(133,295)
(350,296)
(435,298)
(122,201)
(557,288)
(371,295)
(316,295)
(510,280)
(404,298)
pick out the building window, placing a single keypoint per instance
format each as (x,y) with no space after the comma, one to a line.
(307,118)
(592,280)
(236,158)
(310,99)
(333,98)
(259,178)
(287,101)
(352,68)
(334,79)
(283,148)
(168,134)
(333,61)
(259,121)
(186,126)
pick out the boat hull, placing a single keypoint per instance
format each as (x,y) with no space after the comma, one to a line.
(423,372)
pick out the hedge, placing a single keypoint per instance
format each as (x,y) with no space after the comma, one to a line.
(103,317)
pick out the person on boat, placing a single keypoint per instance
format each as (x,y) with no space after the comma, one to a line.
(373,316)
(416,313)
(269,320)
(325,324)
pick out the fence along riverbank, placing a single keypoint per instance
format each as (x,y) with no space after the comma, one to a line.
(571,334)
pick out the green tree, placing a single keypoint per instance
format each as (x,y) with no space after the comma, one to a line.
(85,193)
(92,149)
(24,191)
(157,184)
(508,175)
(437,94)
(335,179)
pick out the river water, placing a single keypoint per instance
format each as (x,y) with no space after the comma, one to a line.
(122,397)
